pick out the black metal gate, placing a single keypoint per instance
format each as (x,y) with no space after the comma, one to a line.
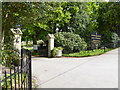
(18,77)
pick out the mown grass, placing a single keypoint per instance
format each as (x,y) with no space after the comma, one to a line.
(35,53)
(87,53)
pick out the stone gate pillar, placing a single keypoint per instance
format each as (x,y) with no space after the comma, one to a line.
(17,38)
(50,38)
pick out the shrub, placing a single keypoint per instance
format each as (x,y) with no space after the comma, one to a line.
(70,42)
(55,51)
(59,48)
(10,56)
(115,37)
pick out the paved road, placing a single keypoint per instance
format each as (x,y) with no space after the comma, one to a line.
(88,72)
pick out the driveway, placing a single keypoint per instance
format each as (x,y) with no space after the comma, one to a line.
(88,72)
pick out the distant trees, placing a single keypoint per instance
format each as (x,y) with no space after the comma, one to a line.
(109,20)
(79,20)
(37,19)
(12,14)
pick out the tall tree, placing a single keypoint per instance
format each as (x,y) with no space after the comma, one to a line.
(11,15)
(79,20)
(108,20)
(36,19)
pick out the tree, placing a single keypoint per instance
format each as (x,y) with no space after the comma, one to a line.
(79,20)
(37,19)
(44,19)
(11,16)
(108,20)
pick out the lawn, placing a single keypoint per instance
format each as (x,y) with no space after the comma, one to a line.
(87,53)
(77,54)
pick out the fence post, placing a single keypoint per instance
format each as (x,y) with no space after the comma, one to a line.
(21,65)
(30,73)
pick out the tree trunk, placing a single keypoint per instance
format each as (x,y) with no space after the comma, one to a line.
(26,41)
(1,38)
(34,40)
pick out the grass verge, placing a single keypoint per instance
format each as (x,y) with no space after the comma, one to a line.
(35,53)
(87,53)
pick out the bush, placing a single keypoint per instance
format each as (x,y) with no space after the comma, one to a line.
(70,42)
(10,56)
(115,37)
(55,51)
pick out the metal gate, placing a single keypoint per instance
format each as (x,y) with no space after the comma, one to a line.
(18,77)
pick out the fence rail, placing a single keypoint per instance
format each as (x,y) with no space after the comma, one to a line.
(18,77)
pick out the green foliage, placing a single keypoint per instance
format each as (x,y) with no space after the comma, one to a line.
(93,14)
(87,53)
(0,62)
(115,37)
(3,84)
(29,48)
(35,19)
(108,20)
(79,17)
(38,19)
(35,53)
(24,77)
(55,51)
(12,13)
(59,48)
(69,41)
(10,56)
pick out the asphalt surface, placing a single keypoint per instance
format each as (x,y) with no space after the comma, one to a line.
(88,72)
